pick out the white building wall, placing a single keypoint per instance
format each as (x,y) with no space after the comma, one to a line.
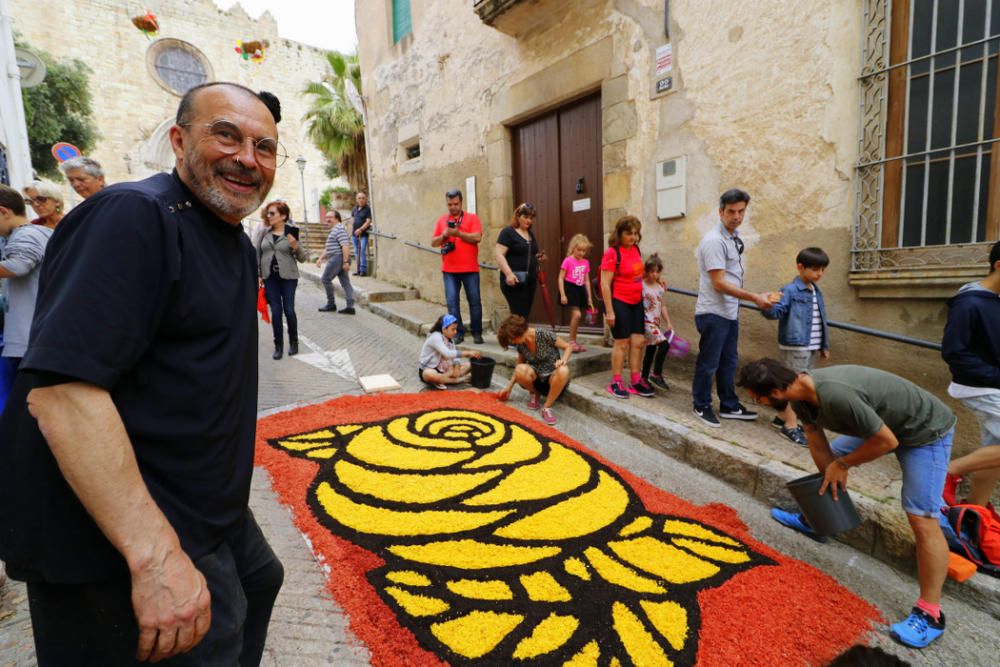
(13,133)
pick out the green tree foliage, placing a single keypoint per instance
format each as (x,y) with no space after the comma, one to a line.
(333,125)
(59,110)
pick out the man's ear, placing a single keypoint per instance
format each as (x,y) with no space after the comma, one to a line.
(177,142)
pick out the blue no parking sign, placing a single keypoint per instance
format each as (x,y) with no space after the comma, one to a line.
(63,151)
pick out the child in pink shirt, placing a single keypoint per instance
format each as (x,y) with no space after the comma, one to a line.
(574,284)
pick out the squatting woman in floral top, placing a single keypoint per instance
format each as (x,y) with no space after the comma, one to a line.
(541,369)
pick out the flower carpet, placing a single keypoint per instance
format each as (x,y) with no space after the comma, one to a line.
(459,531)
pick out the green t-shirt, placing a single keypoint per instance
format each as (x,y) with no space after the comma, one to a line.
(857,401)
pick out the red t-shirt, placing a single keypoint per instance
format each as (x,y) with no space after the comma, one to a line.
(626,286)
(465,257)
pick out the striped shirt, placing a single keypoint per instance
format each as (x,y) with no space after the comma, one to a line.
(335,239)
(815,329)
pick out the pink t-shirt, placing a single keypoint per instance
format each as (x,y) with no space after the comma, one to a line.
(576,270)
(627,283)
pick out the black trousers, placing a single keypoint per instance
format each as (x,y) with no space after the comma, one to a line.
(653,356)
(94,624)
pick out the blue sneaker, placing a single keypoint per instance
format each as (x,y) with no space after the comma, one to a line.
(796,521)
(917,630)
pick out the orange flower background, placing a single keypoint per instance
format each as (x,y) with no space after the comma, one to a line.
(458,530)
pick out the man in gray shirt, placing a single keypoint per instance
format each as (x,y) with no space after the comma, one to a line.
(876,412)
(717,312)
(337,255)
(20,264)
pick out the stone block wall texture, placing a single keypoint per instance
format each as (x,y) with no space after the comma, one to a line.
(130,106)
(765,99)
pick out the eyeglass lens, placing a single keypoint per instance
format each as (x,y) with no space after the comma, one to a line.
(229,137)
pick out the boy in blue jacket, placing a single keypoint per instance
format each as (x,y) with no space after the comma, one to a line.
(971,347)
(802,329)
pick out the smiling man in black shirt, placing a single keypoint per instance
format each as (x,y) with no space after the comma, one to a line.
(127,445)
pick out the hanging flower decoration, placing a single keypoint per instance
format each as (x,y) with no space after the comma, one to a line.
(147,24)
(252,51)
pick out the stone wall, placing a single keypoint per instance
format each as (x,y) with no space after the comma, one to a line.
(133,111)
(764,99)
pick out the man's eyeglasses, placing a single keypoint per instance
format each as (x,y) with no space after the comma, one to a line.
(739,244)
(268,151)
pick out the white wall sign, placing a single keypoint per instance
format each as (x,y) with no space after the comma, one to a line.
(470,194)
(581,205)
(664,59)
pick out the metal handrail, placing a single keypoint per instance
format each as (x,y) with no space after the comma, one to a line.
(846,326)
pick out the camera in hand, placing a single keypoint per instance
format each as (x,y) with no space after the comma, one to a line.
(447,247)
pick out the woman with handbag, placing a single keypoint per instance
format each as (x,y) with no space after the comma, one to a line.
(278,252)
(517,257)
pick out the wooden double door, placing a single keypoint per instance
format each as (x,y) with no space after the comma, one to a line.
(557,167)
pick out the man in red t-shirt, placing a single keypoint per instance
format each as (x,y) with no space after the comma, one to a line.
(458,235)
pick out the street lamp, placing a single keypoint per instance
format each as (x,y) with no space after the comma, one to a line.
(301,162)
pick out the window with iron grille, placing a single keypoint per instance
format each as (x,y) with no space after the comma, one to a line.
(929,171)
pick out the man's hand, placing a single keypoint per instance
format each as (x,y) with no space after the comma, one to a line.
(763,301)
(824,354)
(835,477)
(774,297)
(172,606)
(357,232)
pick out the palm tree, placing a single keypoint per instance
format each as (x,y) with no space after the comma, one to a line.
(332,123)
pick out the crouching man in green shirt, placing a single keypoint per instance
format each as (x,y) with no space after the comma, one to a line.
(876,412)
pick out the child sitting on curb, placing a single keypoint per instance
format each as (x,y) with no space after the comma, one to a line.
(440,360)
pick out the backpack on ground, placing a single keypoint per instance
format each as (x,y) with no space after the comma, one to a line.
(976,536)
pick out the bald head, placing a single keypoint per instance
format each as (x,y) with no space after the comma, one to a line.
(185,108)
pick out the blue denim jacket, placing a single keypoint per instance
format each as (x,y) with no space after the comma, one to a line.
(794,315)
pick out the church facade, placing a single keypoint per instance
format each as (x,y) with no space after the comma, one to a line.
(137,80)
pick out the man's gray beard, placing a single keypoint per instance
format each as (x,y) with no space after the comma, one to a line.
(213,198)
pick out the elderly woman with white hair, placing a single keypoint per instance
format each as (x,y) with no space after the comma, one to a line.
(47,202)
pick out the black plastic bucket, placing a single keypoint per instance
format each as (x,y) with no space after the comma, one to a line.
(482,372)
(826,515)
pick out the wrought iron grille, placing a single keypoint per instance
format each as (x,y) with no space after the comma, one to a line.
(945,144)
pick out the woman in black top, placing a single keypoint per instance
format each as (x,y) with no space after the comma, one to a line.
(517,257)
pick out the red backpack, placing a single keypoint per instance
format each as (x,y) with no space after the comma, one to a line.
(978,532)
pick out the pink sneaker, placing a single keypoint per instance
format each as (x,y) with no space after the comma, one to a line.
(576,347)
(548,417)
(533,401)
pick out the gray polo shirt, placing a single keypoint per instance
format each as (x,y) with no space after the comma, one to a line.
(22,256)
(717,250)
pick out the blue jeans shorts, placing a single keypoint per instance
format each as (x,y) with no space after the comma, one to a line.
(924,470)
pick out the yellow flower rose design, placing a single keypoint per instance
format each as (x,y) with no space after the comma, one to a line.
(502,547)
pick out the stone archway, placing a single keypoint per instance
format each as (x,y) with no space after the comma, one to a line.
(156,154)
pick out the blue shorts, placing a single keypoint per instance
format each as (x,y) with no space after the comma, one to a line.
(924,470)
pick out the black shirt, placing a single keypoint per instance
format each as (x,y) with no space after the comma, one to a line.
(521,254)
(146,293)
(361,215)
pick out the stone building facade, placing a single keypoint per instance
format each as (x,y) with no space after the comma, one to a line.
(136,80)
(818,108)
